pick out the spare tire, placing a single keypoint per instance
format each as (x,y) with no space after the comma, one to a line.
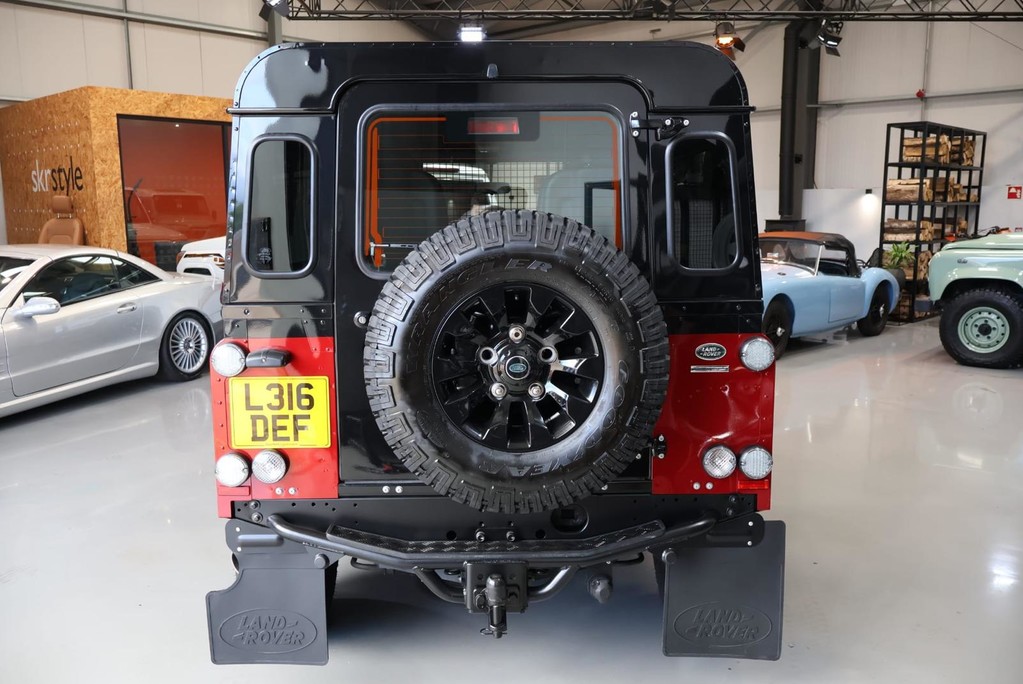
(516,361)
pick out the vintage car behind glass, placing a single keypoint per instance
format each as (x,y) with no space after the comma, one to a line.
(493,318)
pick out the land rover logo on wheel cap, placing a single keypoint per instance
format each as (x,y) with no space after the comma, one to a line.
(722,625)
(712,351)
(517,367)
(268,631)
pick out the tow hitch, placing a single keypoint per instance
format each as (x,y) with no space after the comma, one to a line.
(496,588)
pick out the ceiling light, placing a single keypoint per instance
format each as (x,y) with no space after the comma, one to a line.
(471,33)
(281,7)
(726,40)
(829,37)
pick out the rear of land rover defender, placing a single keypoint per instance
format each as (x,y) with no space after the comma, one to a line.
(492,318)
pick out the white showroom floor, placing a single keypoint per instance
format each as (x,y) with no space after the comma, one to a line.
(899,473)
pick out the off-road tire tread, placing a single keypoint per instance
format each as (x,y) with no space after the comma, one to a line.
(949,329)
(543,233)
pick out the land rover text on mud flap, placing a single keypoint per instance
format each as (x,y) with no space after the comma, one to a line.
(492,317)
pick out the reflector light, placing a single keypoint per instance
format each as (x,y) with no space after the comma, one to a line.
(228,359)
(269,466)
(232,470)
(757,353)
(719,461)
(756,463)
(493,126)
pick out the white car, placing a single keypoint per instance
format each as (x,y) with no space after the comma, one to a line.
(203,257)
(73,319)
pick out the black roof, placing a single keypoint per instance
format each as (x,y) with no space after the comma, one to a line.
(671,74)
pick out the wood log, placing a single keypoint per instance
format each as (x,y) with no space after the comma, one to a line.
(908,190)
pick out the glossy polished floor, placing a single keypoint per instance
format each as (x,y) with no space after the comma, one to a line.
(900,476)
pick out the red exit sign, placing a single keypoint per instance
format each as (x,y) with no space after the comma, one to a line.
(1015,192)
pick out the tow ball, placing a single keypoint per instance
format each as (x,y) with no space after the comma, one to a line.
(495,589)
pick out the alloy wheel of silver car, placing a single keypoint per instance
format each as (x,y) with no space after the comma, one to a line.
(189,345)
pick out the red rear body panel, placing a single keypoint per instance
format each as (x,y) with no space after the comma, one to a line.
(312,473)
(733,408)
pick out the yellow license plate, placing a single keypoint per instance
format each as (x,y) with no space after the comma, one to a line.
(279,412)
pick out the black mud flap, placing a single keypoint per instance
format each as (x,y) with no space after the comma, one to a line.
(726,602)
(276,610)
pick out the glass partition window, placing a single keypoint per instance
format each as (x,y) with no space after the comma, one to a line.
(424,172)
(174,184)
(280,207)
(701,210)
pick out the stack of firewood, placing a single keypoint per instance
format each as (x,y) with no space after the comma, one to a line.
(908,190)
(932,148)
(940,149)
(948,190)
(962,151)
(904,230)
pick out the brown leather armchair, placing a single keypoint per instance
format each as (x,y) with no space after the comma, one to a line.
(65,228)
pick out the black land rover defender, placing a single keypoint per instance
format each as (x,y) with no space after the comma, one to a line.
(492,317)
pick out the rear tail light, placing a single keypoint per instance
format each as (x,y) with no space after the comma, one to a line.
(756,463)
(757,353)
(232,470)
(228,359)
(269,466)
(719,461)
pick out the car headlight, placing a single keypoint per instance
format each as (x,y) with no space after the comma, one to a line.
(756,463)
(719,461)
(232,470)
(757,353)
(269,466)
(228,359)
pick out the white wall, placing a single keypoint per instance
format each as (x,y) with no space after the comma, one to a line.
(46,51)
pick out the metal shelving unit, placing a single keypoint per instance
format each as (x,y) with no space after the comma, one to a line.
(950,166)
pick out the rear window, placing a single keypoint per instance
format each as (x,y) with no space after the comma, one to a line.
(425,171)
(701,207)
(279,238)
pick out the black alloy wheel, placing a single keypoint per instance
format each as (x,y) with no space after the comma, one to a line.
(518,366)
(516,361)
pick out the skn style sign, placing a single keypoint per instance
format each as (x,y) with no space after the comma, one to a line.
(60,179)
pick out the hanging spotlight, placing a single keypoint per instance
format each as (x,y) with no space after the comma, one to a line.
(471,33)
(279,6)
(829,37)
(726,40)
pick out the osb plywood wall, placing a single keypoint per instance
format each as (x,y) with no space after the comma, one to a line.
(67,144)
(45,150)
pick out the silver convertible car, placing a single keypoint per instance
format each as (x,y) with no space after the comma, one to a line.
(813,284)
(76,318)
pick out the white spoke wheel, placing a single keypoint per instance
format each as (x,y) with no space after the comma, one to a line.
(185,349)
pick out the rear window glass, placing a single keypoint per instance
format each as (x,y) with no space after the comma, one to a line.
(426,171)
(280,207)
(701,211)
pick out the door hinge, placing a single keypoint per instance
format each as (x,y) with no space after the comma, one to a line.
(662,128)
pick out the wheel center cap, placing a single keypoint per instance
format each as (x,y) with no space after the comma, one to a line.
(517,368)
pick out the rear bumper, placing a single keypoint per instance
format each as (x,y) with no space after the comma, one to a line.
(400,554)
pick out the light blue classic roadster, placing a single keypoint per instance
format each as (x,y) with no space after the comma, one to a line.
(813,284)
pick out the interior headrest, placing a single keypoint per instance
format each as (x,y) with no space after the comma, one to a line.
(62,204)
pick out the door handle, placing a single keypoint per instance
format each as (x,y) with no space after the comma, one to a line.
(127,308)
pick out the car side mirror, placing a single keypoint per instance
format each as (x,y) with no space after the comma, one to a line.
(38,306)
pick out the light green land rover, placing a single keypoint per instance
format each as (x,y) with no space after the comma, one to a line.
(979,286)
